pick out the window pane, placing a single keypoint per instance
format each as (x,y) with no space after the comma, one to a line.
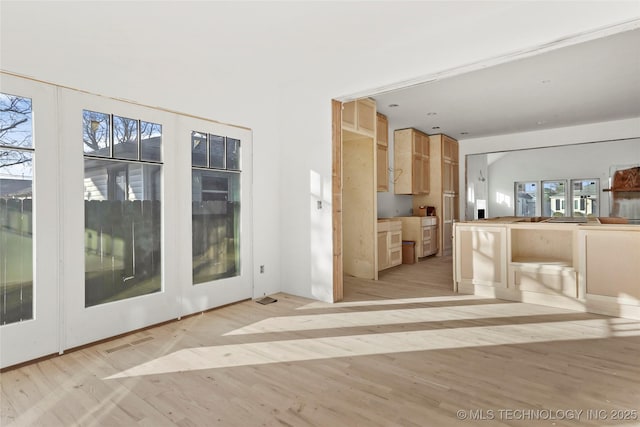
(216,151)
(526,196)
(125,138)
(96,129)
(199,149)
(233,154)
(15,121)
(554,195)
(215,225)
(151,141)
(584,193)
(122,230)
(16,236)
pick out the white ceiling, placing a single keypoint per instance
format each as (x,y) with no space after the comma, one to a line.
(594,81)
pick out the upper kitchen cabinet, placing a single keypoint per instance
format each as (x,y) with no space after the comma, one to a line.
(449,164)
(359,117)
(411,162)
(382,148)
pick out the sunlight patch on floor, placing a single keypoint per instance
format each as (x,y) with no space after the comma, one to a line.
(320,304)
(226,356)
(395,317)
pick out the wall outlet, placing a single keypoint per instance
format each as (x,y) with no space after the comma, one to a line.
(261,269)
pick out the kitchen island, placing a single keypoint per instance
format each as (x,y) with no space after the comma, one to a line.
(575,263)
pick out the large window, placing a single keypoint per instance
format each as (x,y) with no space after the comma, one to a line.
(16,209)
(122,188)
(215,206)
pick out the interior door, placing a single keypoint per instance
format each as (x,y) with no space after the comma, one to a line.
(216,222)
(29,221)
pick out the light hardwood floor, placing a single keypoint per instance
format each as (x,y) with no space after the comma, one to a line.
(403,351)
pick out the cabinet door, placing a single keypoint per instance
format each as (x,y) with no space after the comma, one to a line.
(448,217)
(349,114)
(395,239)
(425,175)
(429,240)
(448,148)
(382,131)
(382,168)
(447,176)
(402,161)
(395,257)
(426,169)
(366,113)
(383,251)
(416,175)
(360,117)
(455,178)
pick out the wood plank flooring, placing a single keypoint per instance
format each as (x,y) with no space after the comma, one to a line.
(403,351)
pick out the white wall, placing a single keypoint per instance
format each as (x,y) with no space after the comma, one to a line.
(273,67)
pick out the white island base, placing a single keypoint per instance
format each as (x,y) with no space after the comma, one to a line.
(588,267)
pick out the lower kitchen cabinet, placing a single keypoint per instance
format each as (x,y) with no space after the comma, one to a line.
(424,231)
(389,243)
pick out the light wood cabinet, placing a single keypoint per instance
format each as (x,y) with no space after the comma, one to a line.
(358,189)
(444,188)
(411,163)
(359,116)
(423,230)
(382,148)
(389,244)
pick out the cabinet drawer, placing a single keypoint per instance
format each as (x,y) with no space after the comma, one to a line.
(395,256)
(428,233)
(426,247)
(395,239)
(428,220)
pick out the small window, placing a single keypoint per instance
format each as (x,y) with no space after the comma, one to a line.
(150,141)
(96,129)
(125,138)
(216,152)
(199,149)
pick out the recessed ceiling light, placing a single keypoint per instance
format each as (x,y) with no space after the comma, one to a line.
(393,105)
(431,113)
(435,127)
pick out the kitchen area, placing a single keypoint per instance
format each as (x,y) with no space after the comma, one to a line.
(400,192)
